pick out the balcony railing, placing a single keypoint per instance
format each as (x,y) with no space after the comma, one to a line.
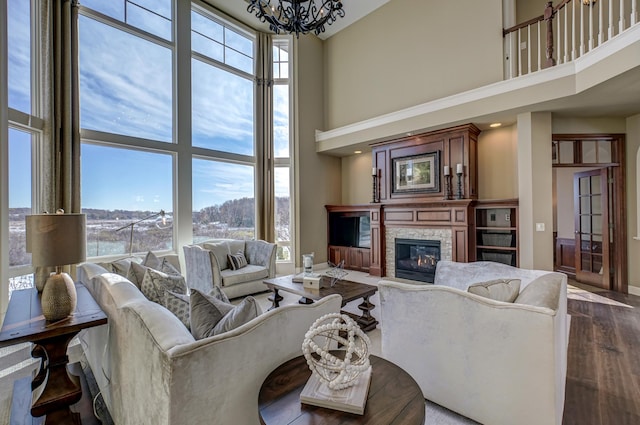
(565,32)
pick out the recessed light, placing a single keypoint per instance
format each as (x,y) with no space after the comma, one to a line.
(495,124)
(357,151)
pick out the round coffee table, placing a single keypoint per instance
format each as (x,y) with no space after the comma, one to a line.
(394,397)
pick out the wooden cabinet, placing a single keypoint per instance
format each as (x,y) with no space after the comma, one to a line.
(353,235)
(354,258)
(495,236)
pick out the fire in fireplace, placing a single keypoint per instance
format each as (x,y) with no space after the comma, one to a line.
(416,259)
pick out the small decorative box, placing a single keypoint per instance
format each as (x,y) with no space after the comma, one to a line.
(311,282)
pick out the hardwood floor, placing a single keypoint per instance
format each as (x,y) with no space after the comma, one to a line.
(603,375)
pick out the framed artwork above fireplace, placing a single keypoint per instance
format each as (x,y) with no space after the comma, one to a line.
(417,173)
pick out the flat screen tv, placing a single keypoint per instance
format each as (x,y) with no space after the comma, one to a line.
(350,230)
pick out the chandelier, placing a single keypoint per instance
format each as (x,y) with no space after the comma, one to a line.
(297,16)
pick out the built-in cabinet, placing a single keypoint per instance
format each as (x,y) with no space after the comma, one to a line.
(353,233)
(495,232)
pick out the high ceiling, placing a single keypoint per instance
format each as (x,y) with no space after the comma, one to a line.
(354,10)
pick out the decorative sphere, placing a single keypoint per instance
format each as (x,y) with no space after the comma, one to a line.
(335,331)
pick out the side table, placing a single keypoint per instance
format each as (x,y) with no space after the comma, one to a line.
(54,392)
(394,398)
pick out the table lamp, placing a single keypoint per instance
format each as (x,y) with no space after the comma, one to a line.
(57,240)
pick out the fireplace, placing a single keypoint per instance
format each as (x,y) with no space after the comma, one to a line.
(416,259)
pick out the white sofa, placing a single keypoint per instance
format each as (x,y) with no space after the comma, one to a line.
(151,370)
(496,362)
(206,265)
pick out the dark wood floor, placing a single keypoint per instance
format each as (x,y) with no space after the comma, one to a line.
(603,376)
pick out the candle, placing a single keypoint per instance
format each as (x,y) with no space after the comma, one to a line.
(446,170)
(459,168)
(374,171)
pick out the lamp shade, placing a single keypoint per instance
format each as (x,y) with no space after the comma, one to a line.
(56,239)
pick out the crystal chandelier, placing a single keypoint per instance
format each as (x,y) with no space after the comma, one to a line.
(297,16)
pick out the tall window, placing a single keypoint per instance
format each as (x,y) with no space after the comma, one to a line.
(24,135)
(281,148)
(126,115)
(222,125)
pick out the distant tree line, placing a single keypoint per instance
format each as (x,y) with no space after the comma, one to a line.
(234,219)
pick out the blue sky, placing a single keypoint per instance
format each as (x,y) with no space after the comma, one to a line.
(126,87)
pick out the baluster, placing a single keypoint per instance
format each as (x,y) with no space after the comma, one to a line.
(581,31)
(634,12)
(611,27)
(529,49)
(621,28)
(559,51)
(573,30)
(548,16)
(566,34)
(519,54)
(539,46)
(600,34)
(591,37)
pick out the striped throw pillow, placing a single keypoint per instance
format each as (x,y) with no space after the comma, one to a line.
(237,261)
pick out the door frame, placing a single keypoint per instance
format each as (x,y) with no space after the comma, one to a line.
(618,201)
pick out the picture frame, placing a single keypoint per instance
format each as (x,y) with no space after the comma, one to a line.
(417,173)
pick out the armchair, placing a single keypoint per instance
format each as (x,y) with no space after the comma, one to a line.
(207,265)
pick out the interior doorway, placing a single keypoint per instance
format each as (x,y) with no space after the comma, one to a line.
(589,209)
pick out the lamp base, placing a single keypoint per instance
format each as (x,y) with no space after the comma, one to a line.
(59,297)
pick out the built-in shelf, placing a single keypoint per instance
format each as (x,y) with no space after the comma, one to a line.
(496,232)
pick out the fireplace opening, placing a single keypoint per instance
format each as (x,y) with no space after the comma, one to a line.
(416,259)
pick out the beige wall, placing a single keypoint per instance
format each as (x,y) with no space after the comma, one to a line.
(357,183)
(498,163)
(529,9)
(633,198)
(318,177)
(534,187)
(408,52)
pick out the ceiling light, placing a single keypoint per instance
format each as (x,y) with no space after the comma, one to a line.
(357,151)
(495,124)
(297,16)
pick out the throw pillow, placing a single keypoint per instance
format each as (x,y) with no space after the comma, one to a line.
(505,290)
(237,261)
(151,260)
(206,311)
(137,271)
(244,312)
(155,283)
(220,250)
(178,304)
(219,294)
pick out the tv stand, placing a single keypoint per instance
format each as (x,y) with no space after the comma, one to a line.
(353,234)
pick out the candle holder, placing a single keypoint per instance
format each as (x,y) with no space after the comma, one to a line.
(376,189)
(447,190)
(459,195)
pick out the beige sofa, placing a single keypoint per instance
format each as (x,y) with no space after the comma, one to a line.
(206,265)
(496,362)
(151,370)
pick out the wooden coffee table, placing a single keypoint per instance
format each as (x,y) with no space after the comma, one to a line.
(394,398)
(347,289)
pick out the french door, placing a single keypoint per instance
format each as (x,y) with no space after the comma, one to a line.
(591,200)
